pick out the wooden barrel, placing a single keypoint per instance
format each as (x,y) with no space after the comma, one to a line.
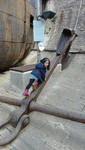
(15,31)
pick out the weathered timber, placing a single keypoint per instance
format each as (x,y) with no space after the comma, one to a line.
(23,68)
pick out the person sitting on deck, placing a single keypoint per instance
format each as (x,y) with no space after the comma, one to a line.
(37,76)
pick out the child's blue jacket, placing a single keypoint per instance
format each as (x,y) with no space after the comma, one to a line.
(39,72)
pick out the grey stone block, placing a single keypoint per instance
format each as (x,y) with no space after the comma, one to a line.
(19,80)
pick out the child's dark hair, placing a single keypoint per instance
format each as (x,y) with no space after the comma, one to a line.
(44,60)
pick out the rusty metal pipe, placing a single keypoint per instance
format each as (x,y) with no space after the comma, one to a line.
(10,101)
(74,116)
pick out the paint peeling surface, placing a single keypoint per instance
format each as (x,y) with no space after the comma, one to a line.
(15,31)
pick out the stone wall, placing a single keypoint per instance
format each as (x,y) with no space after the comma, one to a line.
(66,17)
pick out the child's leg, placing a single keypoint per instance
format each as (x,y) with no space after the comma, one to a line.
(39,82)
(30,84)
(26,91)
(34,85)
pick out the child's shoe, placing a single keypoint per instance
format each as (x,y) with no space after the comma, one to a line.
(26,93)
(34,85)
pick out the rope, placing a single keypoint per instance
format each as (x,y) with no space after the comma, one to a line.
(78,15)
